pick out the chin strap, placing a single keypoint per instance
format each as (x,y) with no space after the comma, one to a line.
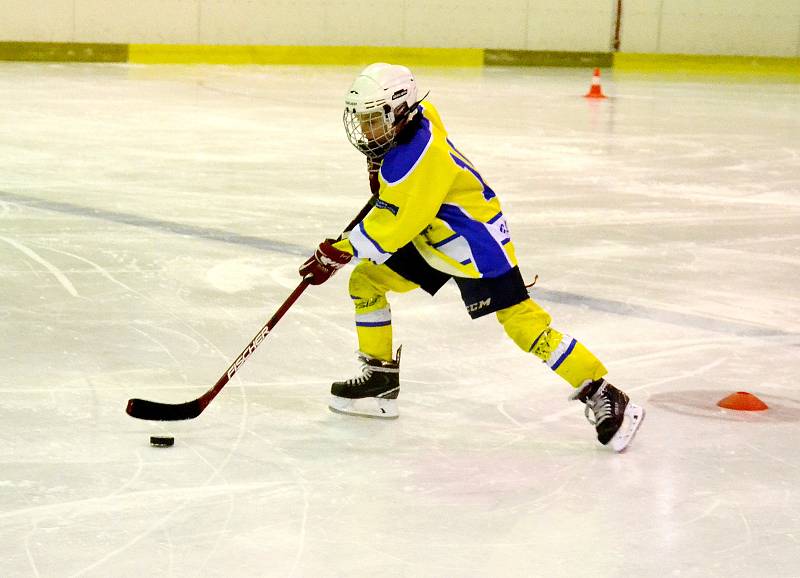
(373,168)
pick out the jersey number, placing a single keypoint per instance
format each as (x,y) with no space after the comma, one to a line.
(462,162)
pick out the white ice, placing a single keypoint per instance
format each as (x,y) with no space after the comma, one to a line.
(151,219)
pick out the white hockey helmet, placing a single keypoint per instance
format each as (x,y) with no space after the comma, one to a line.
(381,99)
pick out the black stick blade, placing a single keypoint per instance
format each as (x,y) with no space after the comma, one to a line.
(155,411)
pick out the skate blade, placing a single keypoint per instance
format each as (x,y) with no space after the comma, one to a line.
(633,418)
(374,407)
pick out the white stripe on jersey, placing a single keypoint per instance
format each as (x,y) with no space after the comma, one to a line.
(499,231)
(365,247)
(457,249)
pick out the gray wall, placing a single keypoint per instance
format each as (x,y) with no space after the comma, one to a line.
(753,27)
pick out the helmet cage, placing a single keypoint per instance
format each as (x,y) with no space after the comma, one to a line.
(373,131)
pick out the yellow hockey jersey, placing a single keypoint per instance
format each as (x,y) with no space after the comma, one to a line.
(432,196)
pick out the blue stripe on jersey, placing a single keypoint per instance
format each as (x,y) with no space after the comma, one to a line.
(445,241)
(563,357)
(497,216)
(490,258)
(373,323)
(452,146)
(488,193)
(401,160)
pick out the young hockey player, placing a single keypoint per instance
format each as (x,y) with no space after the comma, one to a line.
(436,219)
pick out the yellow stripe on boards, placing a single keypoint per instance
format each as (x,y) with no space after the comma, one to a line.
(706,64)
(623,62)
(63,52)
(334,55)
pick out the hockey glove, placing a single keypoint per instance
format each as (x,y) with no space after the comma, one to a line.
(326,260)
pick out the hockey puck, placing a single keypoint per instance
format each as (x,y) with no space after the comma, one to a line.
(161,441)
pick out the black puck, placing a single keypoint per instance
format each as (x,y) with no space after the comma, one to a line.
(162,441)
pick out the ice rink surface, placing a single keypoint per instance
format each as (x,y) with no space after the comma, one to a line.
(152,218)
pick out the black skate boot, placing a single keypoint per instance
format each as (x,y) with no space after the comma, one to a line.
(371,394)
(615,418)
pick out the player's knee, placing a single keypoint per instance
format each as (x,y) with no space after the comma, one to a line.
(524,323)
(361,285)
(368,281)
(367,294)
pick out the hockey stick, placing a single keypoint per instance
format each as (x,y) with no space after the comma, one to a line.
(157,411)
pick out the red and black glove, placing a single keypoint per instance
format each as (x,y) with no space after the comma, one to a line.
(325,261)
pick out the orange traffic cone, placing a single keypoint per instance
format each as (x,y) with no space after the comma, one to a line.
(742,401)
(595,91)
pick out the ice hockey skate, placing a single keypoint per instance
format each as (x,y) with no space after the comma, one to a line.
(373,393)
(610,411)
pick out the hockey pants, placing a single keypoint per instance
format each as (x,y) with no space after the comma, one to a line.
(526,323)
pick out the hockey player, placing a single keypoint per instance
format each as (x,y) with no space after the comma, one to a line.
(435,219)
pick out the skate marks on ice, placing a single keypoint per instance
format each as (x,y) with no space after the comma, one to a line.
(703,403)
(169,505)
(741,329)
(34,256)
